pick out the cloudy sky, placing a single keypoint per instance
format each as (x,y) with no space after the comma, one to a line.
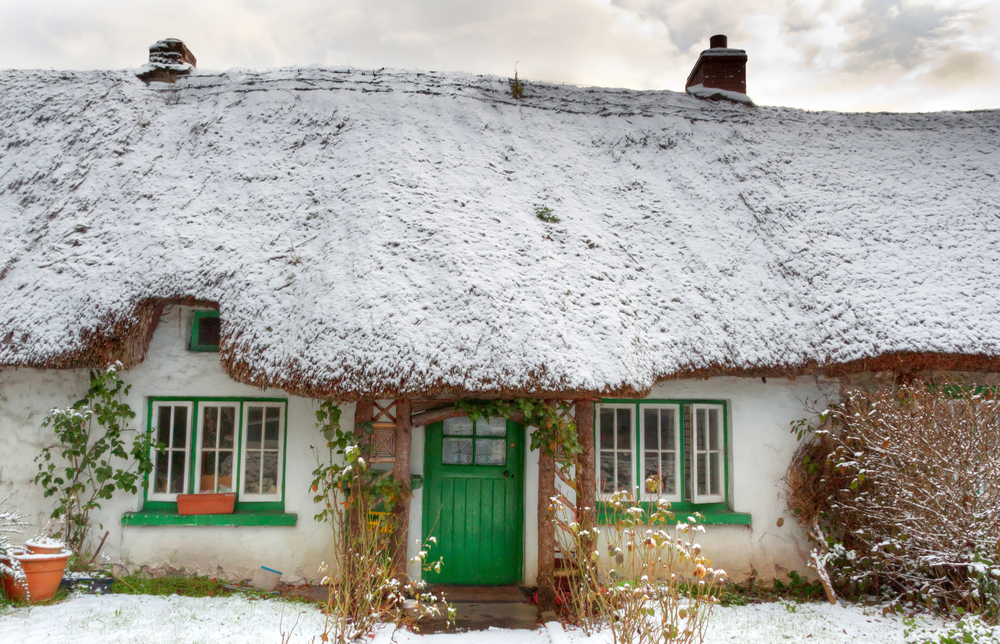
(901,55)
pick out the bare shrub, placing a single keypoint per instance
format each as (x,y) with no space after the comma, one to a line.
(901,487)
(364,590)
(655,585)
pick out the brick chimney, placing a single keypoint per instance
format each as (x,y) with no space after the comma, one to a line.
(719,67)
(168,59)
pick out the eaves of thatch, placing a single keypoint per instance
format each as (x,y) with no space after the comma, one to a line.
(376,233)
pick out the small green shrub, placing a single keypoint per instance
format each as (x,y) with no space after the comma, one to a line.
(545,213)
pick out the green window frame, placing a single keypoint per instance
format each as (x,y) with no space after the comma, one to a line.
(199,341)
(691,432)
(188,442)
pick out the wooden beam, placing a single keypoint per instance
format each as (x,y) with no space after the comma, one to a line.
(546,598)
(442,413)
(586,488)
(401,474)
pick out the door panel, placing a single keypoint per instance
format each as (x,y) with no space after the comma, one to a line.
(476,512)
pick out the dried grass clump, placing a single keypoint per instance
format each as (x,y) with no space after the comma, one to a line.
(900,487)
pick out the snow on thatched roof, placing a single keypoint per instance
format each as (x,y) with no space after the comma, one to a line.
(378,232)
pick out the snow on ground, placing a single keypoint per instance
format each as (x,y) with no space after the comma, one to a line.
(233,620)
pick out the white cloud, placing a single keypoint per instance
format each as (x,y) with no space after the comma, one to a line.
(826,54)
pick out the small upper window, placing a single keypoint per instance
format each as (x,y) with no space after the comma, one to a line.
(205,329)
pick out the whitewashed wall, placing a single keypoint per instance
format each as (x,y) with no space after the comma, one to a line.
(170,370)
(760,450)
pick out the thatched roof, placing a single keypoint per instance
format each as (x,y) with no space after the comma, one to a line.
(377,233)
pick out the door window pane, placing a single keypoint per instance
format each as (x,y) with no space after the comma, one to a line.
(491,451)
(461,426)
(495,427)
(456,451)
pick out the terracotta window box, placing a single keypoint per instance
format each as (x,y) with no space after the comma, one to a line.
(215,503)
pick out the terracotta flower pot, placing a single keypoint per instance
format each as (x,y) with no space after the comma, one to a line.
(43,573)
(46,547)
(216,503)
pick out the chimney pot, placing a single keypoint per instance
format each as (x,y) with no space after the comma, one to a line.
(718,42)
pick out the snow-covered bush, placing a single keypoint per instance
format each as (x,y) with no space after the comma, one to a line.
(655,585)
(365,591)
(901,487)
(10,523)
(968,630)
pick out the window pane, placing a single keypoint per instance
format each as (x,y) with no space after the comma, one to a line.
(272,427)
(701,426)
(651,469)
(713,460)
(225,480)
(207,464)
(714,443)
(208,331)
(177,472)
(456,451)
(163,426)
(607,424)
(180,427)
(649,423)
(688,481)
(624,428)
(702,474)
(606,477)
(227,427)
(668,466)
(491,451)
(252,483)
(624,471)
(457,427)
(496,427)
(269,476)
(667,436)
(255,427)
(160,482)
(209,429)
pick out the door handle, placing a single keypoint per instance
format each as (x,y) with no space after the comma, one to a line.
(506,473)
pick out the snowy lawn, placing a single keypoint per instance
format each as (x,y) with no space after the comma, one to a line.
(187,620)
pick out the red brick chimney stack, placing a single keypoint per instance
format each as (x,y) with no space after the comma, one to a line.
(720,67)
(168,59)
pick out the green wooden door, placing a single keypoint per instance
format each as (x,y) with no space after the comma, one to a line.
(474,500)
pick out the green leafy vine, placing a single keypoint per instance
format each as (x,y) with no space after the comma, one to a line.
(553,431)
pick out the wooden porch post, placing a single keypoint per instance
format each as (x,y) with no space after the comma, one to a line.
(586,488)
(401,473)
(546,530)
(364,409)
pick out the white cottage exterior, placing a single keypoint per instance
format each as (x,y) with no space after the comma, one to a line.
(396,241)
(759,447)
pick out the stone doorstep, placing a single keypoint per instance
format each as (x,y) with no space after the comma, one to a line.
(478,608)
